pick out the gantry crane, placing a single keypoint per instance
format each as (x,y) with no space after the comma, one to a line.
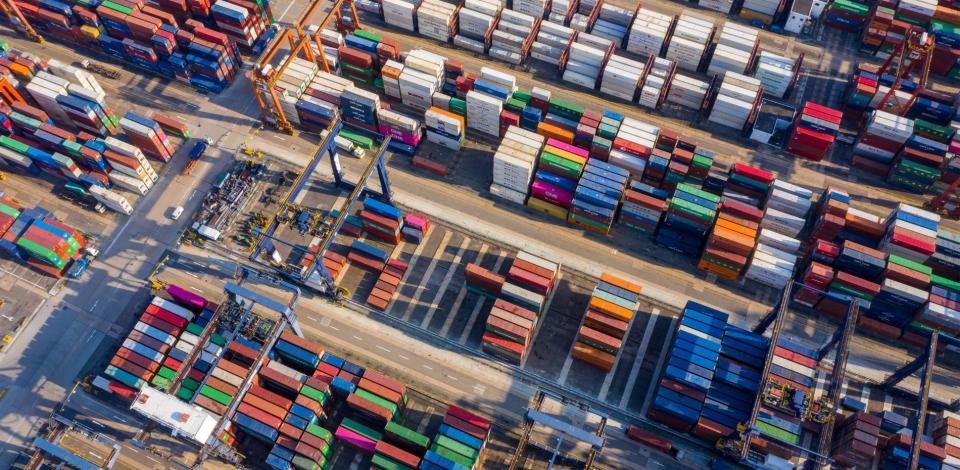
(265,79)
(10,8)
(916,50)
(948,202)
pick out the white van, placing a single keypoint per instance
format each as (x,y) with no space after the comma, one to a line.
(177,212)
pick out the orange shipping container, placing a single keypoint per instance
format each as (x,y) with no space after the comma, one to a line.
(611,309)
(720,271)
(593,356)
(745,231)
(549,130)
(621,283)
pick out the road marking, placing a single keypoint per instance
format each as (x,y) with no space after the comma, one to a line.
(357,338)
(406,274)
(117,236)
(479,389)
(444,283)
(398,248)
(453,378)
(653,383)
(333,328)
(421,288)
(480,302)
(638,362)
(280,18)
(567,363)
(382,348)
(94,307)
(401,356)
(427,367)
(458,302)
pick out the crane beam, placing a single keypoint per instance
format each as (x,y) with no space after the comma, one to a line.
(838,374)
(924,393)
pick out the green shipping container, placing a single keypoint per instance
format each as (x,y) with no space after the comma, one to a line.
(774,431)
(899,260)
(218,340)
(161,383)
(699,193)
(320,432)
(445,452)
(362,33)
(195,329)
(357,138)
(117,7)
(391,407)
(14,145)
(407,435)
(215,395)
(522,96)
(946,283)
(185,394)
(314,394)
(189,383)
(303,463)
(361,429)
(458,447)
(386,463)
(167,373)
(75,188)
(562,165)
(5,209)
(42,253)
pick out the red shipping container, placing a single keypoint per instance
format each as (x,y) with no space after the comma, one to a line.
(137,359)
(466,427)
(397,454)
(262,416)
(270,396)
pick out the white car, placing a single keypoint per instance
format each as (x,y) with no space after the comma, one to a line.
(177,212)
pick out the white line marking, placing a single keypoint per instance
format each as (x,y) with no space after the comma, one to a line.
(280,18)
(656,370)
(117,236)
(406,274)
(357,338)
(458,302)
(444,283)
(479,305)
(426,276)
(401,356)
(382,348)
(565,371)
(638,362)
(427,367)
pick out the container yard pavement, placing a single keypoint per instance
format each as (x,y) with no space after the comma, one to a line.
(39,368)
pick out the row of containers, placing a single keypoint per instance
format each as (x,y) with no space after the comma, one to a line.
(519,300)
(192,41)
(289,398)
(882,26)
(34,237)
(54,119)
(582,45)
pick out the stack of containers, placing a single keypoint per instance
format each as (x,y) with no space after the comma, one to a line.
(319,104)
(918,165)
(129,160)
(552,39)
(381,220)
(146,134)
(291,85)
(775,73)
(359,108)
(399,13)
(483,112)
(390,74)
(111,199)
(856,439)
(621,76)
(511,36)
(482,281)
(388,283)
(45,244)
(945,430)
(785,216)
(734,50)
(598,196)
(535,8)
(732,239)
(476,18)
(561,120)
(722,6)
(509,331)
(559,10)
(648,32)
(643,207)
(72,103)
(559,169)
(636,138)
(946,260)
(240,24)
(514,163)
(651,89)
(691,364)
(910,232)
(882,136)
(608,317)
(405,439)
(435,20)
(736,101)
(848,15)
(586,56)
(445,128)
(462,440)
(814,131)
(687,91)
(612,23)
(691,35)
(422,76)
(763,11)
(794,367)
(687,222)
(735,381)
(141,354)
(512,324)
(399,127)
(896,452)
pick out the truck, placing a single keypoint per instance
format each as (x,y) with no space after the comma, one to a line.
(196,153)
(345,145)
(207,232)
(80,265)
